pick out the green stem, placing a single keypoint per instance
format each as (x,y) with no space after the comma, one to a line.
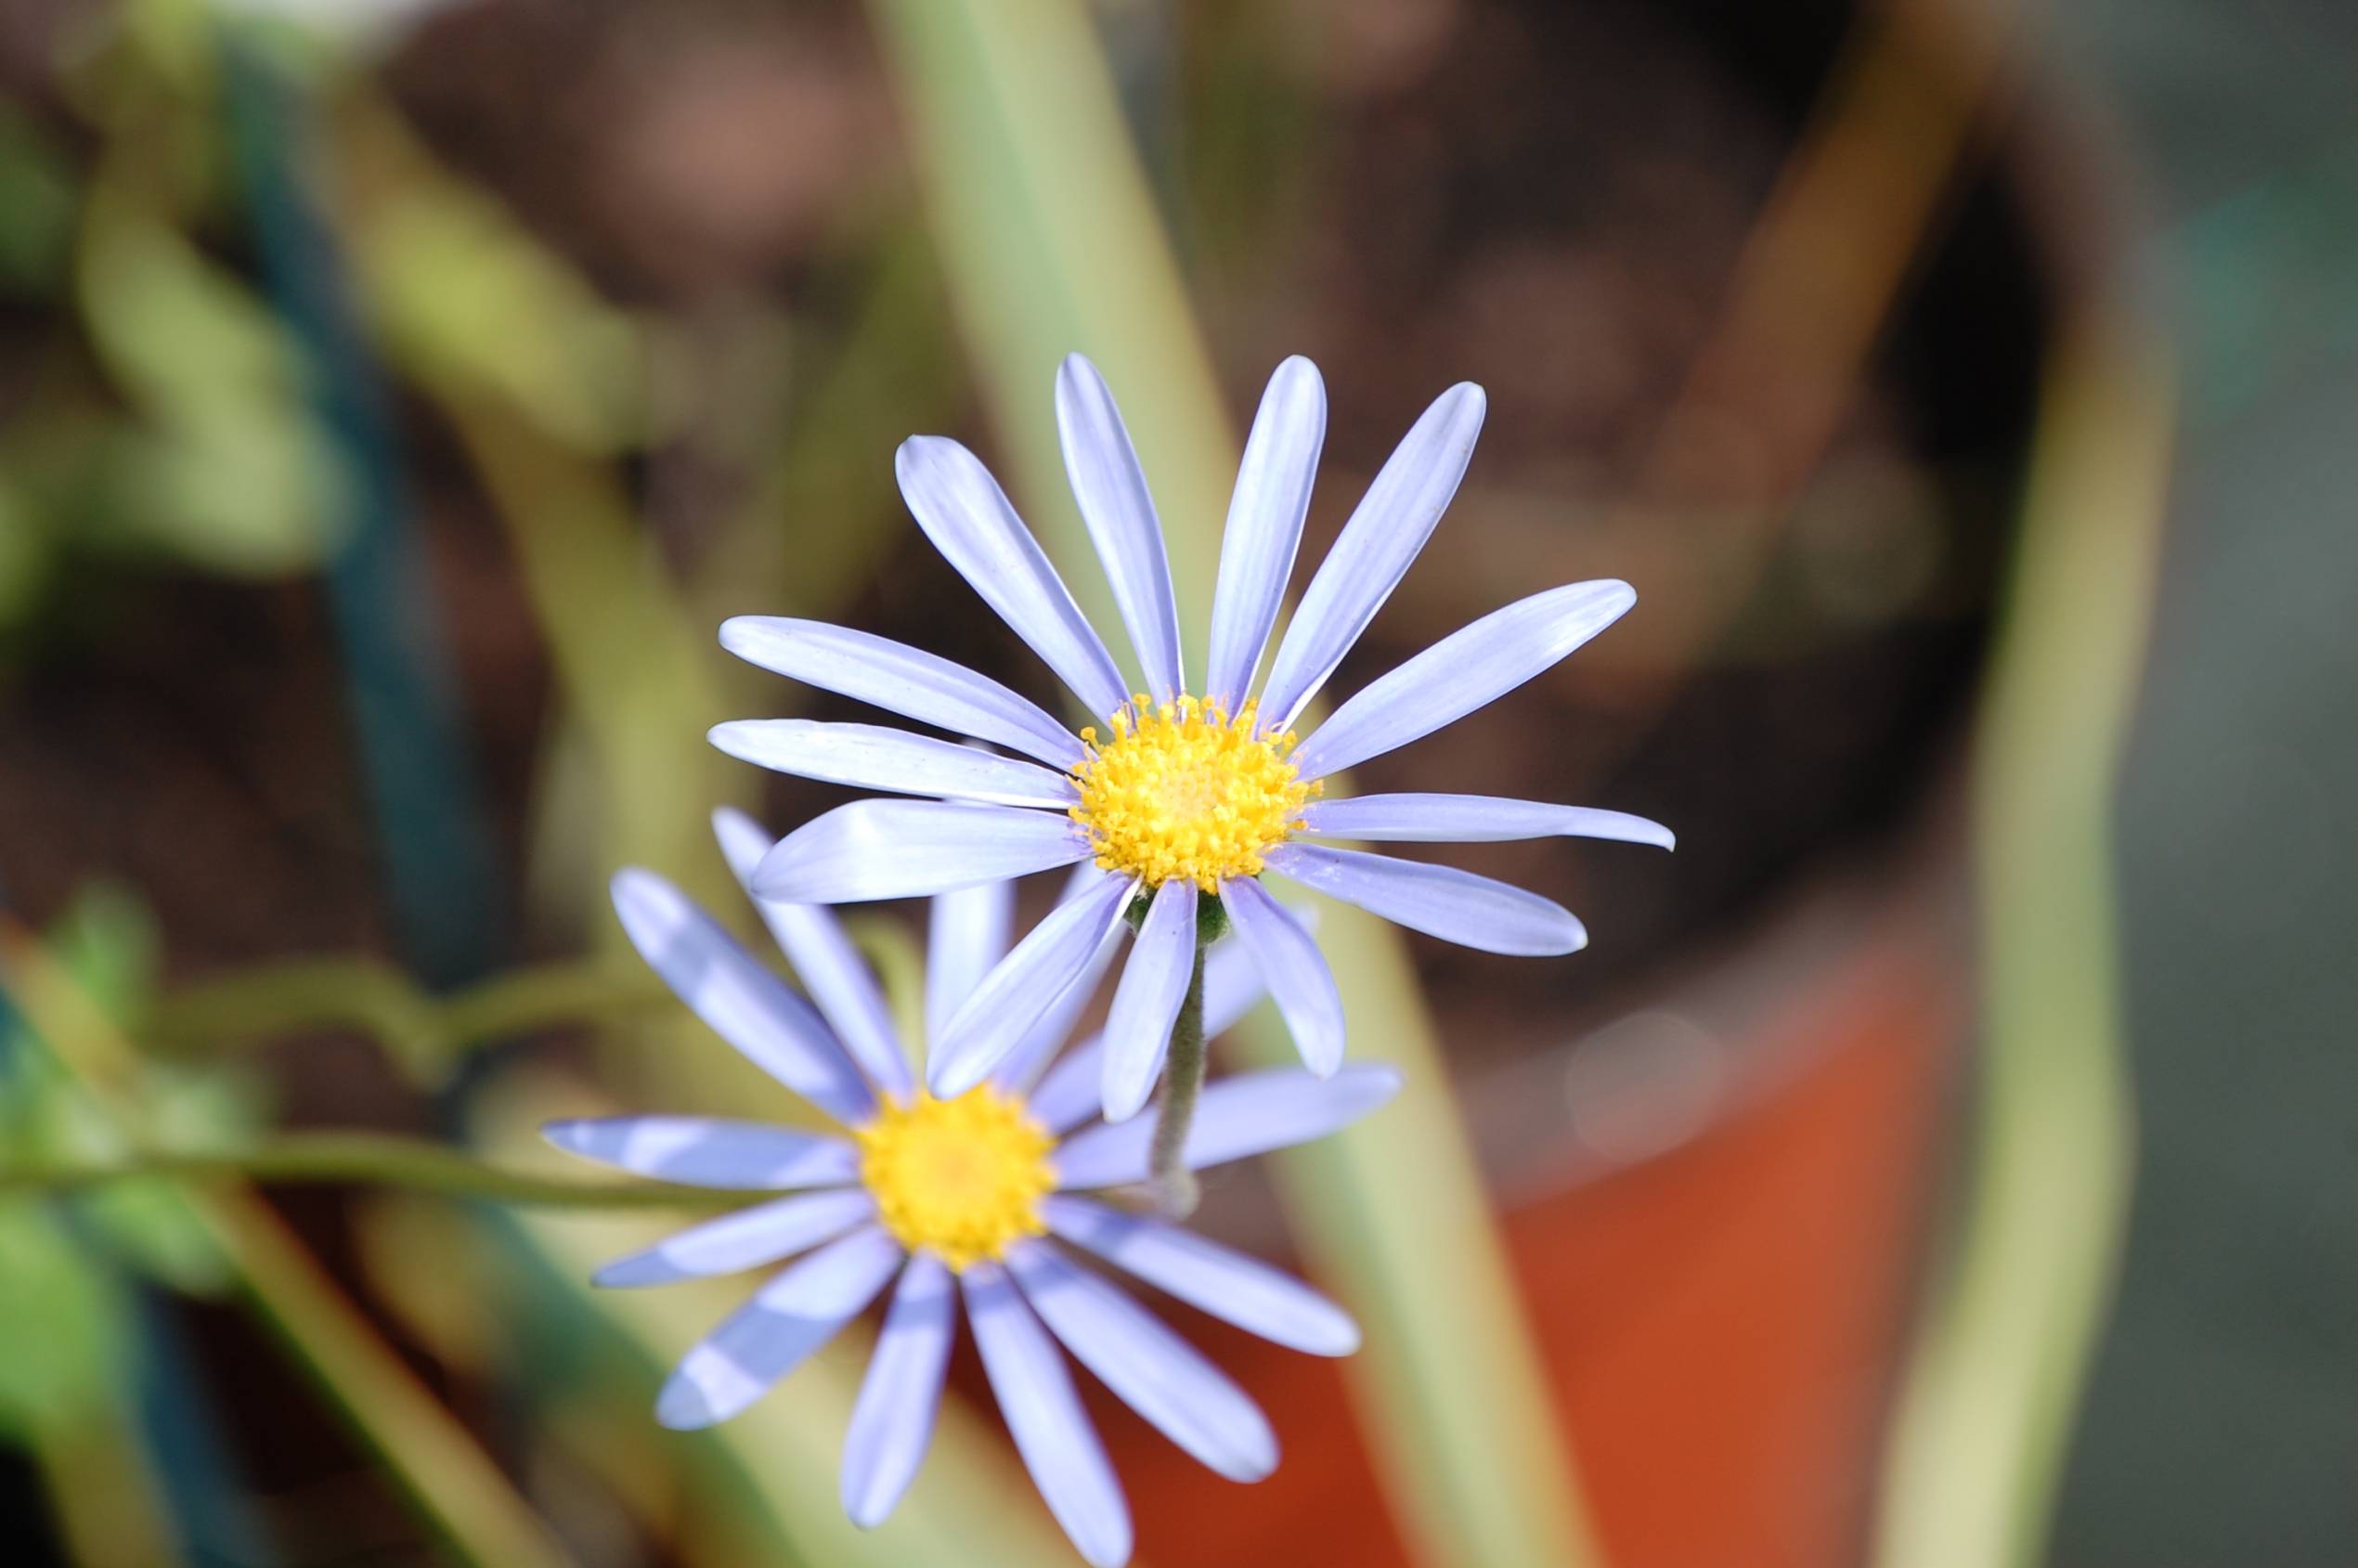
(1174,1185)
(364,1159)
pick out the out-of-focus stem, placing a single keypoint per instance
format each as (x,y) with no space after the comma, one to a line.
(1174,1185)
(456,1489)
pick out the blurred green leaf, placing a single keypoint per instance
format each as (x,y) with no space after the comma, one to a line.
(63,1319)
(228,471)
(38,197)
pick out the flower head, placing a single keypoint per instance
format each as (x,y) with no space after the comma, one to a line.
(1171,793)
(983,1198)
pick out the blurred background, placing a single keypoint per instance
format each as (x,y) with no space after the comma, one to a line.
(1944,1157)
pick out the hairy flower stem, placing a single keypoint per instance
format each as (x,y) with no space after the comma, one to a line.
(1168,1178)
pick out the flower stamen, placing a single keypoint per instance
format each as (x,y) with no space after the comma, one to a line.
(1184,790)
(961,1178)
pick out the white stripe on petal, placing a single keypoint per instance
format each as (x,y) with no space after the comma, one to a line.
(1027,983)
(1251,1114)
(1472,819)
(1035,1393)
(1111,491)
(747,1238)
(738,1000)
(1153,1371)
(1296,973)
(1265,527)
(1440,901)
(966,934)
(913,849)
(907,681)
(771,1335)
(1373,551)
(876,756)
(1207,1276)
(813,941)
(705,1151)
(1072,1093)
(1147,1001)
(964,511)
(892,1424)
(1469,667)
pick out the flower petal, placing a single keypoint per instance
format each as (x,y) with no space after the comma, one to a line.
(1472,819)
(1115,503)
(876,756)
(1026,983)
(912,849)
(1071,1091)
(1373,551)
(771,1335)
(1296,973)
(892,1424)
(707,1151)
(1440,901)
(1251,1114)
(964,511)
(1054,1028)
(965,934)
(762,1234)
(830,968)
(1206,1276)
(907,681)
(1471,667)
(1265,527)
(1146,1003)
(1153,1371)
(1044,1414)
(738,1000)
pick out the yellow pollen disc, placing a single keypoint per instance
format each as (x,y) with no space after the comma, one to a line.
(962,1178)
(1182,790)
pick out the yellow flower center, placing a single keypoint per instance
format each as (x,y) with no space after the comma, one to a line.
(960,1178)
(1182,790)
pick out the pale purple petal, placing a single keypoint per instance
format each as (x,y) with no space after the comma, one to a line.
(876,756)
(1206,1276)
(1072,1091)
(1042,1041)
(965,934)
(762,1234)
(767,1338)
(1294,970)
(913,849)
(1440,901)
(907,681)
(1153,1371)
(1265,527)
(1469,667)
(961,508)
(1028,981)
(1147,1001)
(738,1000)
(1044,1414)
(1373,551)
(1472,819)
(892,1424)
(831,968)
(1111,492)
(1251,1114)
(705,1151)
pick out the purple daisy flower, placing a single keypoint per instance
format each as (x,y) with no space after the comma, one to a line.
(1177,793)
(984,1198)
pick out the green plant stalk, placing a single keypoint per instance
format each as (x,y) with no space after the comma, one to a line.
(457,1491)
(1174,1185)
(1054,245)
(368,1159)
(102,1490)
(1978,1447)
